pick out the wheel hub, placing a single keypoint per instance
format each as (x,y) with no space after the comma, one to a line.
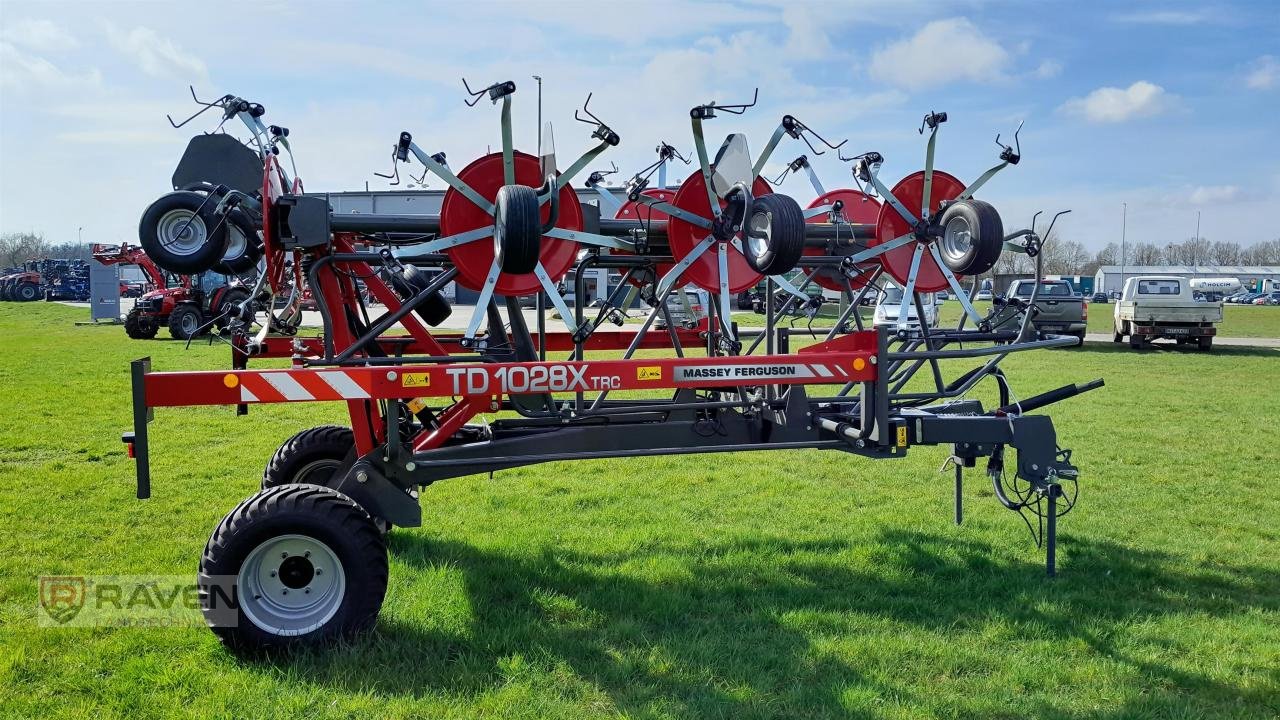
(291,584)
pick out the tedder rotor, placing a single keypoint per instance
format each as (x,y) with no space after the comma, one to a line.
(305,559)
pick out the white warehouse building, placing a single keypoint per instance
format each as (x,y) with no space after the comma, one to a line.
(1111,277)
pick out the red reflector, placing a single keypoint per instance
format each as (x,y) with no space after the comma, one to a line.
(128,449)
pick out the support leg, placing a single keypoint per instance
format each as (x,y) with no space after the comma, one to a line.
(959,492)
(1051,532)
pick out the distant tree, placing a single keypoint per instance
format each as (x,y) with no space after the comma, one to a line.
(1109,255)
(1224,253)
(1146,254)
(15,248)
(1263,253)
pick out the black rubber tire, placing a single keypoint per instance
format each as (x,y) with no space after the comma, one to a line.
(26,292)
(198,259)
(986,237)
(310,457)
(409,282)
(244,258)
(312,511)
(1081,335)
(184,321)
(1205,343)
(139,326)
(1135,342)
(232,297)
(517,229)
(1116,334)
(779,252)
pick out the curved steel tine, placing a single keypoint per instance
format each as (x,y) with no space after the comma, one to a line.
(472,93)
(395,169)
(1051,224)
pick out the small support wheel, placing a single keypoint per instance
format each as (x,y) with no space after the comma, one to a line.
(409,282)
(244,247)
(292,566)
(972,237)
(774,234)
(180,233)
(517,229)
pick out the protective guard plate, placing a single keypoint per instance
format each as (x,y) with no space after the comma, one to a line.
(219,159)
(683,236)
(859,209)
(897,262)
(473,259)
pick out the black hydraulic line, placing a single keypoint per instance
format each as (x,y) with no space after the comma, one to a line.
(387,320)
(1036,402)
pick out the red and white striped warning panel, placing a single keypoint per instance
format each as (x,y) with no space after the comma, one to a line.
(293,387)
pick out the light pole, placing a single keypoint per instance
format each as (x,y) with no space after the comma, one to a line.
(1195,246)
(539,79)
(79,235)
(1124,221)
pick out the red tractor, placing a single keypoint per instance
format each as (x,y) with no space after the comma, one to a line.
(24,284)
(185,303)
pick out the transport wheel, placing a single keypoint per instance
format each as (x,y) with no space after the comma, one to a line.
(292,566)
(774,234)
(244,247)
(184,321)
(517,229)
(26,292)
(180,233)
(409,282)
(1081,335)
(972,237)
(139,326)
(312,457)
(1206,343)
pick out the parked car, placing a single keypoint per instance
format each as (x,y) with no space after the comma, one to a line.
(983,295)
(692,317)
(1099,298)
(1061,310)
(890,305)
(1271,298)
(1161,306)
(942,295)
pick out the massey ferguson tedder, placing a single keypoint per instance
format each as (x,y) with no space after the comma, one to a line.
(305,559)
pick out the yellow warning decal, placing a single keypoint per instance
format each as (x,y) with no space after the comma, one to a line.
(902,436)
(416,380)
(416,405)
(651,372)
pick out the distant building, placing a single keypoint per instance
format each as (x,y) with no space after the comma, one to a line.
(1112,277)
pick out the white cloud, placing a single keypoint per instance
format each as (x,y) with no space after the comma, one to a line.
(806,33)
(1264,73)
(42,35)
(1048,69)
(1114,105)
(1165,17)
(156,56)
(941,52)
(1210,194)
(21,70)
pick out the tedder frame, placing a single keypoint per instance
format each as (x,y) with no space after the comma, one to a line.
(304,560)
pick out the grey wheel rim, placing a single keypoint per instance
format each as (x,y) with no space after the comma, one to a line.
(760,234)
(189,323)
(181,232)
(291,585)
(317,472)
(237,243)
(957,238)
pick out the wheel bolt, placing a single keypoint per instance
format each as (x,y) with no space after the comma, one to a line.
(306,554)
(273,573)
(318,571)
(307,591)
(284,554)
(284,592)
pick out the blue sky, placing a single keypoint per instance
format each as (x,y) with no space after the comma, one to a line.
(1168,107)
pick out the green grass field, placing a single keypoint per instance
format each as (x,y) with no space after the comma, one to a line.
(1238,320)
(788,585)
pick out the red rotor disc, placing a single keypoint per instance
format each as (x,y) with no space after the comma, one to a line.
(684,236)
(644,213)
(473,259)
(860,209)
(889,225)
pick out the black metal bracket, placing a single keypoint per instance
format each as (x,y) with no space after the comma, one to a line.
(496,92)
(708,111)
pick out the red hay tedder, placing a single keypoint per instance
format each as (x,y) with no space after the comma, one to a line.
(305,559)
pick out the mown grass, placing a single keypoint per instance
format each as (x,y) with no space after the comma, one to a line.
(794,584)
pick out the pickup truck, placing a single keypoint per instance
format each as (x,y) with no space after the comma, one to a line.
(1161,306)
(1060,310)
